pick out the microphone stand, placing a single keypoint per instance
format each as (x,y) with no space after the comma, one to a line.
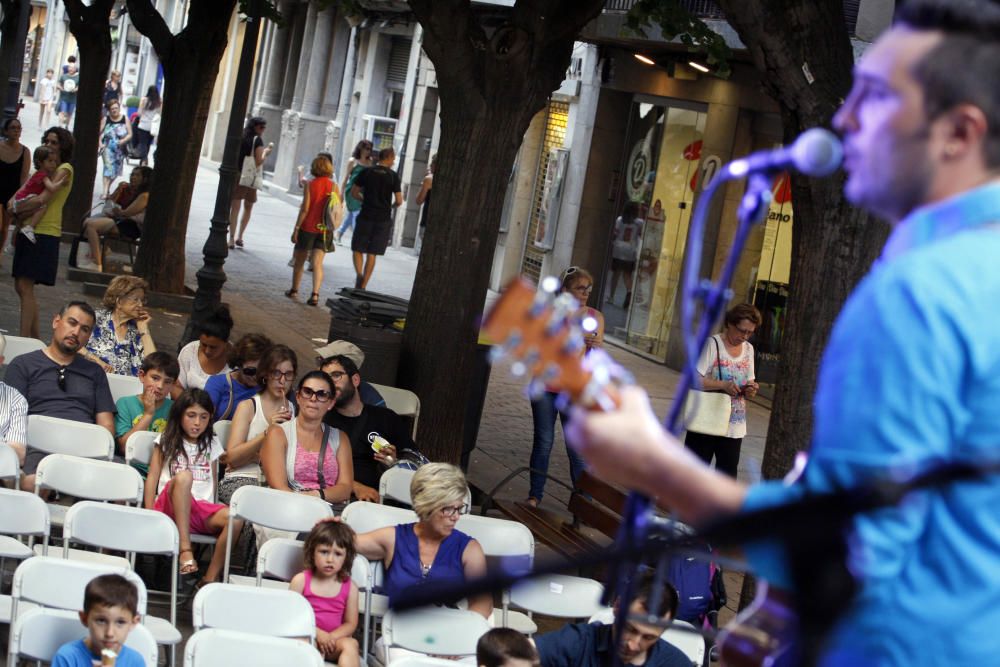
(713,297)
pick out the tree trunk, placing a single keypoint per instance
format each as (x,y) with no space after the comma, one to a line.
(11,48)
(490,88)
(90,26)
(190,67)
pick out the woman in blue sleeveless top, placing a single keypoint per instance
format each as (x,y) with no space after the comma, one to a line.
(430,550)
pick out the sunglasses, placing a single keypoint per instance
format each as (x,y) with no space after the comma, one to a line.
(61,380)
(320,395)
(249,371)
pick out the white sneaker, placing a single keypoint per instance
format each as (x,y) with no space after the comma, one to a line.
(29,234)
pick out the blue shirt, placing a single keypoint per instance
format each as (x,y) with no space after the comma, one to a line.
(217,388)
(911,379)
(591,645)
(76,654)
(405,570)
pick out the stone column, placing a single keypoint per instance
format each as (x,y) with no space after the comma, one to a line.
(305,55)
(277,56)
(319,56)
(297,22)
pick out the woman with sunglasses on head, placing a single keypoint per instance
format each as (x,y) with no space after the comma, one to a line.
(580,284)
(726,364)
(270,406)
(121,338)
(304,455)
(232,387)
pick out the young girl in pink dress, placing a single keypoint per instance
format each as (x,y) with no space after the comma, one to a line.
(326,583)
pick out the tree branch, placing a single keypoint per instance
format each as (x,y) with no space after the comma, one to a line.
(150,23)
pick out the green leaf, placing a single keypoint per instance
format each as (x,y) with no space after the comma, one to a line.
(676,22)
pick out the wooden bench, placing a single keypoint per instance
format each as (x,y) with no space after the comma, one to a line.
(592,503)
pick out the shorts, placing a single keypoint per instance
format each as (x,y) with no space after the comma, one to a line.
(628,266)
(245,193)
(66,107)
(128,229)
(229,484)
(309,241)
(201,511)
(32,457)
(38,261)
(371,237)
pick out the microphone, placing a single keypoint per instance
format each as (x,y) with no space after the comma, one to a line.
(817,152)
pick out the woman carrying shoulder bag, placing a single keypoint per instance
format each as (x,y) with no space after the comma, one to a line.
(726,365)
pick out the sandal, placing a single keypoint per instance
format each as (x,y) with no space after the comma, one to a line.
(531,502)
(189,566)
(239,243)
(292,293)
(313,300)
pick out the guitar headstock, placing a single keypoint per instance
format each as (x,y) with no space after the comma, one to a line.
(544,335)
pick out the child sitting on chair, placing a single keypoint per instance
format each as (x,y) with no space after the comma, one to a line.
(326,583)
(46,162)
(110,611)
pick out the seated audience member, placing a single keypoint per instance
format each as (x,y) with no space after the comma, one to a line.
(110,611)
(304,455)
(149,410)
(506,647)
(124,218)
(228,390)
(254,416)
(121,338)
(13,413)
(59,382)
(595,644)
(202,358)
(430,551)
(362,424)
(325,355)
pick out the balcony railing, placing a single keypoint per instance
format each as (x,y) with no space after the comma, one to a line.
(706,9)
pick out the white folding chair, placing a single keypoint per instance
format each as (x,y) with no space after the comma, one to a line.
(87,479)
(214,647)
(10,467)
(421,661)
(132,530)
(680,634)
(18,345)
(275,509)
(221,430)
(21,513)
(512,547)
(261,611)
(558,595)
(437,631)
(62,436)
(401,401)
(39,633)
(123,385)
(395,485)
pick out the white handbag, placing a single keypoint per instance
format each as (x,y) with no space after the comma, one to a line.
(250,175)
(708,412)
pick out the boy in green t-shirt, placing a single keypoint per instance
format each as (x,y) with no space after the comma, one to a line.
(149,410)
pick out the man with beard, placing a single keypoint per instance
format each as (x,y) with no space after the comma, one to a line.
(594,645)
(367,426)
(58,382)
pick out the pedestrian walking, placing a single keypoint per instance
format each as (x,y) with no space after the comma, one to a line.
(251,177)
(46,97)
(379,188)
(309,239)
(361,159)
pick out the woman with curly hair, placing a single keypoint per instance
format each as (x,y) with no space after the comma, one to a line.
(121,338)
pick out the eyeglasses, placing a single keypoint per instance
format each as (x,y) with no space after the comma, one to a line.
(336,375)
(745,332)
(249,371)
(140,300)
(61,380)
(586,289)
(287,375)
(320,395)
(452,510)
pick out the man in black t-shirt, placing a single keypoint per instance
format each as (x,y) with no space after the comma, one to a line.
(367,427)
(379,188)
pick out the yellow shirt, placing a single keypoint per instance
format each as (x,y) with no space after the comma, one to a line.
(51,222)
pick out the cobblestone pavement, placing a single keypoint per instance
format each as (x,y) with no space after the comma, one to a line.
(257,278)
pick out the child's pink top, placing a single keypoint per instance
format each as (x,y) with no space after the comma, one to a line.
(33,186)
(329,611)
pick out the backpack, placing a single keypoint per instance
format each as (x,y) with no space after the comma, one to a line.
(333,216)
(352,203)
(699,586)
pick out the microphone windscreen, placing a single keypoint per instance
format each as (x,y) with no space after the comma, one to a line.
(817,152)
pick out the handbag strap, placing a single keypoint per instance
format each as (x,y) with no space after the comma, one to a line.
(322,455)
(718,357)
(229,408)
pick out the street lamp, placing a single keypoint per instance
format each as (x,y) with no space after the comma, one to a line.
(211,276)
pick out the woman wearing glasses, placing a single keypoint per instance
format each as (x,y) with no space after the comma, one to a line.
(580,284)
(303,455)
(227,390)
(269,407)
(121,338)
(726,364)
(430,551)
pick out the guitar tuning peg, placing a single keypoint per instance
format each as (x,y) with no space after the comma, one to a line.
(531,358)
(574,343)
(496,353)
(549,284)
(518,369)
(535,389)
(550,373)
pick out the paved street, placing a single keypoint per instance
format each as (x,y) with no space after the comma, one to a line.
(257,279)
